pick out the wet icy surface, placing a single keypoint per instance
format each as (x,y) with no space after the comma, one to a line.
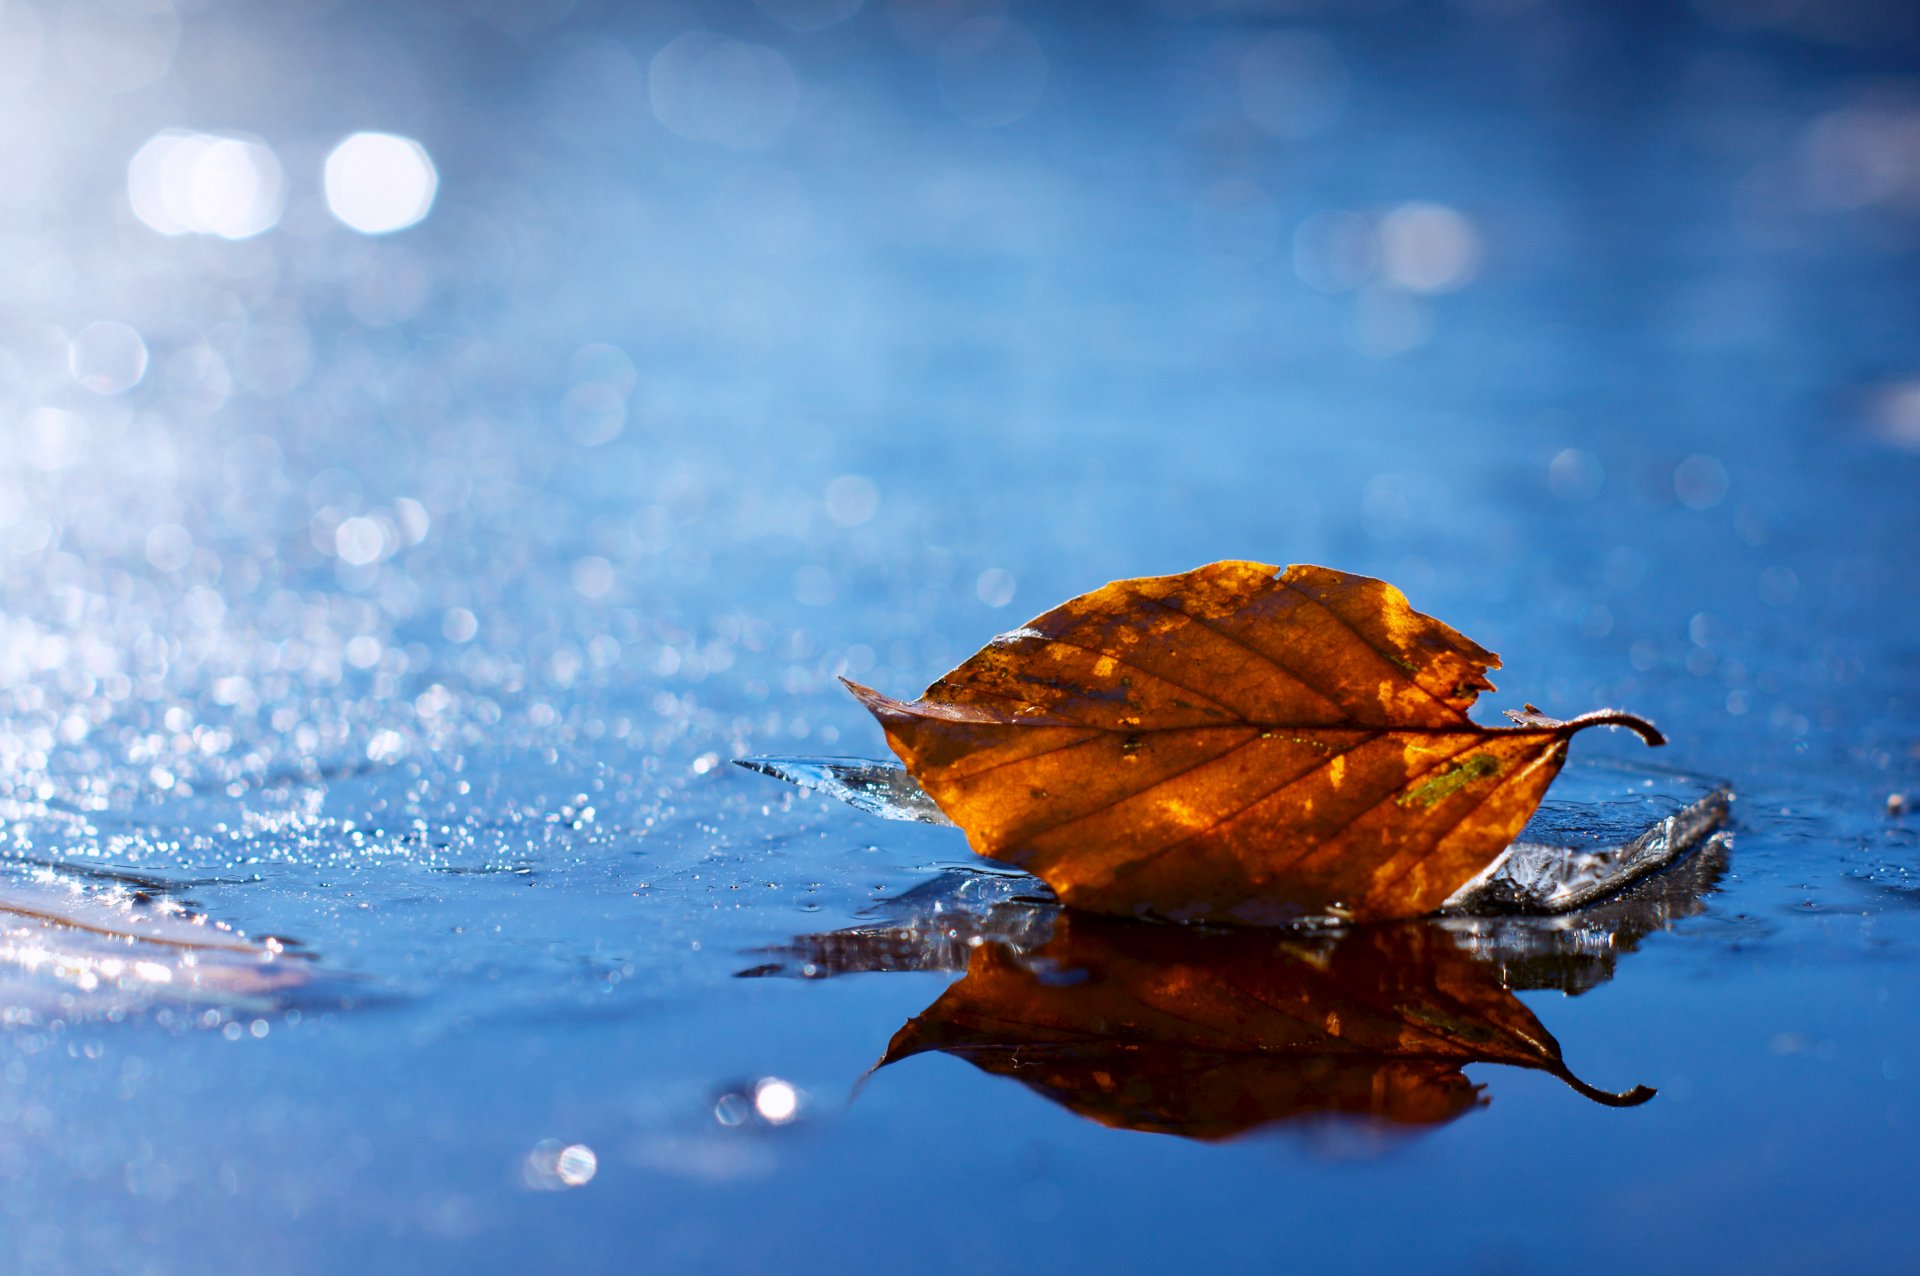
(402,598)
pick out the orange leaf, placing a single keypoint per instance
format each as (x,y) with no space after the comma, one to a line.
(1234,744)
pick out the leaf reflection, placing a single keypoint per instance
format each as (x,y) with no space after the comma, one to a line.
(1209,1034)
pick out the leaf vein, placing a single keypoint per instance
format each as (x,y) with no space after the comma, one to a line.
(1365,641)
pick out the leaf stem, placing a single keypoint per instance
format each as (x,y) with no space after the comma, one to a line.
(1608,1098)
(1616,718)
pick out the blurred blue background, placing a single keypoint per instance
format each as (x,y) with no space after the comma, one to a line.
(442,434)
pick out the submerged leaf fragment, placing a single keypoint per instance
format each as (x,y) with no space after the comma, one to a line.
(1238,743)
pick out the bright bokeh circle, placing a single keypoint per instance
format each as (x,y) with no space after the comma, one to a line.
(380,182)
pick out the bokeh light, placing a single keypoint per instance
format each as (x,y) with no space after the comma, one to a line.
(108,357)
(711,88)
(378,183)
(1428,248)
(1292,84)
(181,182)
(411,592)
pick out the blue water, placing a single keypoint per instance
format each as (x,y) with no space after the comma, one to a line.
(405,595)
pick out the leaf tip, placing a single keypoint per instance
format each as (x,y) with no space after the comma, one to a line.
(878,703)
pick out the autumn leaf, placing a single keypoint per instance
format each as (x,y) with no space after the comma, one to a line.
(1208,1036)
(1237,744)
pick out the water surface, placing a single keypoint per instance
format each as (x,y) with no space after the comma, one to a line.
(402,596)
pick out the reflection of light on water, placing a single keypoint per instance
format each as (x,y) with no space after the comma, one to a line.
(183,183)
(553,1167)
(1700,482)
(1896,414)
(852,499)
(593,413)
(768,1101)
(1575,475)
(360,541)
(995,587)
(708,88)
(1428,248)
(107,357)
(776,1101)
(1864,155)
(1417,248)
(380,182)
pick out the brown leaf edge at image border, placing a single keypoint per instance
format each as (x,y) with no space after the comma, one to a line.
(1298,736)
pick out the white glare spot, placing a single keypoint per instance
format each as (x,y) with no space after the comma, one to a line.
(776,1101)
(459,625)
(380,182)
(360,541)
(552,1168)
(1428,248)
(107,357)
(708,88)
(995,587)
(185,183)
(1012,636)
(576,1165)
(363,652)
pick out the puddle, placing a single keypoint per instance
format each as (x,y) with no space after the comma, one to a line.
(405,591)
